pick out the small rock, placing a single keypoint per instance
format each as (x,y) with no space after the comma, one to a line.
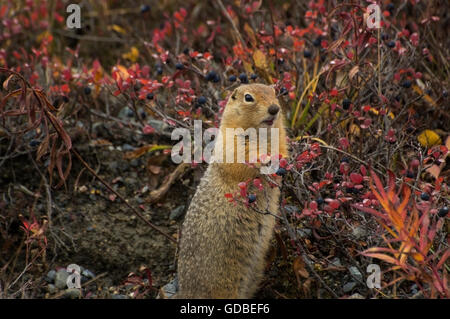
(61,279)
(125,113)
(72,293)
(356,296)
(304,232)
(336,262)
(349,286)
(177,212)
(358,232)
(119,296)
(291,209)
(88,274)
(158,125)
(128,147)
(51,289)
(355,273)
(169,289)
(113,166)
(50,276)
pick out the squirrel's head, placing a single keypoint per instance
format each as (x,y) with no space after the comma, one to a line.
(252,105)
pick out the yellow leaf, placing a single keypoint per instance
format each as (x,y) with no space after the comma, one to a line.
(429,138)
(354,130)
(260,60)
(133,55)
(117,28)
(251,34)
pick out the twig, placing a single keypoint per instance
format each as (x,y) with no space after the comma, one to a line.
(227,15)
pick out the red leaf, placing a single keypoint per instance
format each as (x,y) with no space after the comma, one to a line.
(356,178)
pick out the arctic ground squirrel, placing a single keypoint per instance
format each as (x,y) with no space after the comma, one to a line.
(223,245)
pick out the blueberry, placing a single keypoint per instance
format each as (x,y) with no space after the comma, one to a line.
(87,90)
(443,211)
(179,66)
(345,159)
(307,54)
(280,61)
(150,96)
(424,196)
(390,7)
(253,76)
(320,201)
(145,8)
(34,143)
(243,78)
(444,93)
(211,75)
(391,44)
(143,114)
(346,104)
(201,100)
(65,99)
(130,113)
(283,91)
(410,174)
(317,42)
(232,78)
(352,190)
(384,36)
(281,171)
(407,84)
(159,70)
(56,102)
(216,78)
(186,51)
(251,198)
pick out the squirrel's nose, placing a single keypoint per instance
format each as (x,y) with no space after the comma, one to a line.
(273,109)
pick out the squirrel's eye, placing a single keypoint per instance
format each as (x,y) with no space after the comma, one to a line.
(248,98)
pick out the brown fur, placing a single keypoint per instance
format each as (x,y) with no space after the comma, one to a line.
(223,246)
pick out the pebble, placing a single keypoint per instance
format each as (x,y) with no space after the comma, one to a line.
(304,232)
(336,262)
(349,286)
(51,289)
(358,232)
(88,274)
(169,289)
(177,212)
(355,273)
(61,279)
(124,113)
(128,147)
(72,293)
(119,296)
(51,276)
(158,125)
(356,296)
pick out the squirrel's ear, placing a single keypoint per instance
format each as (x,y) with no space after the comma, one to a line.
(234,94)
(273,86)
